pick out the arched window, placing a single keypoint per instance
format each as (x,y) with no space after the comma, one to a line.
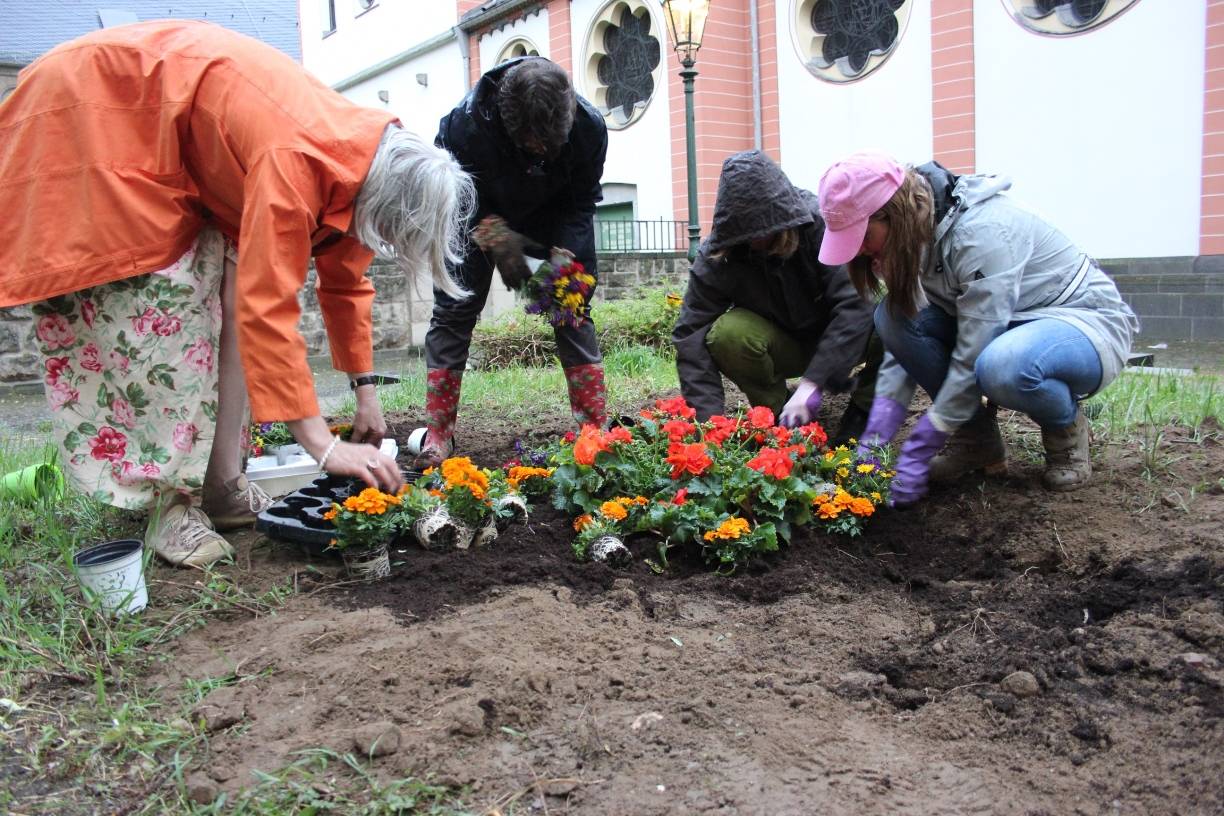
(623,61)
(845,40)
(1061,17)
(518,47)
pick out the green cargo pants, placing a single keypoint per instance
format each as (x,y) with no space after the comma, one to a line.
(758,356)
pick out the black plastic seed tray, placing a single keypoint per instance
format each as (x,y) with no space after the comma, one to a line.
(298,517)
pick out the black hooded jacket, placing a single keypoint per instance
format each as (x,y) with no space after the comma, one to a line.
(552,202)
(802,296)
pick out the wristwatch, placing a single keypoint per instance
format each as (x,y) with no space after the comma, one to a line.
(369,379)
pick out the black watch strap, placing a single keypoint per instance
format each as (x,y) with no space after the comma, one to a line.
(369,379)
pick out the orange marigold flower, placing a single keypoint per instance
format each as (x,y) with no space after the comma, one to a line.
(521,473)
(613,510)
(333,512)
(582,522)
(691,458)
(772,462)
(842,499)
(828,510)
(730,529)
(590,443)
(861,507)
(760,417)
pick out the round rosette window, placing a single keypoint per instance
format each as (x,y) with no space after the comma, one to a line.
(1061,17)
(845,40)
(624,61)
(518,47)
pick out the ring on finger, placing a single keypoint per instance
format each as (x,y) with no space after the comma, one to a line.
(372,464)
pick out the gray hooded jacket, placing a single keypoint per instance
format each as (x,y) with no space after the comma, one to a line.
(994,263)
(800,295)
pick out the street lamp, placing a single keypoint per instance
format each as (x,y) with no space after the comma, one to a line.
(686,21)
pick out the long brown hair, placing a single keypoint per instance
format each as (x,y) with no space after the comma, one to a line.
(781,244)
(910,228)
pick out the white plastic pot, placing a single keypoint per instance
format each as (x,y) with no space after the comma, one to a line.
(299,470)
(415,442)
(113,573)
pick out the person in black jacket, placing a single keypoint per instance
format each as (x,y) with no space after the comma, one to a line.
(536,151)
(761,308)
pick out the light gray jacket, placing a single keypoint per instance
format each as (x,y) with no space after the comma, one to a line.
(994,263)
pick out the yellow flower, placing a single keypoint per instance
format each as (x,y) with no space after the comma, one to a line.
(843,472)
(866,467)
(876,497)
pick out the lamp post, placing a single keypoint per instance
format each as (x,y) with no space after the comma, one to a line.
(686,21)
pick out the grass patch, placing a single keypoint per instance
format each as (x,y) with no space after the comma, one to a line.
(520,339)
(521,394)
(1135,401)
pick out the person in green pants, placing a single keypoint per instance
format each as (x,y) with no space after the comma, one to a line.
(761,308)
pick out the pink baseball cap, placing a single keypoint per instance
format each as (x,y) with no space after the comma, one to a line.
(851,191)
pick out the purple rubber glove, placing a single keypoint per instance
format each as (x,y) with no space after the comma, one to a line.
(882,423)
(802,407)
(914,464)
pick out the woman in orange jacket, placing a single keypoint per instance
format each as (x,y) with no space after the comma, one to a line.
(172,181)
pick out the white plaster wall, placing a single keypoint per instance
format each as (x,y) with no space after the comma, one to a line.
(419,107)
(534,28)
(362,40)
(641,153)
(1102,131)
(889,109)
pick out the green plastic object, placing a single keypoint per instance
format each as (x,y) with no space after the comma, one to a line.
(35,482)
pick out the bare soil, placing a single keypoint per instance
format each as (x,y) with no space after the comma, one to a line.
(839,677)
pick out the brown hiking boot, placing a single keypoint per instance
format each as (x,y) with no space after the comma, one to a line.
(183,536)
(241,501)
(1068,463)
(976,445)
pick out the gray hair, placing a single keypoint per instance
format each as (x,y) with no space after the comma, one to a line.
(414,207)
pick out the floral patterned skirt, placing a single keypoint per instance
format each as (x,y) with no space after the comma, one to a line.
(131,377)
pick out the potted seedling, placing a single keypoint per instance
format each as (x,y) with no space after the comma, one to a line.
(366,523)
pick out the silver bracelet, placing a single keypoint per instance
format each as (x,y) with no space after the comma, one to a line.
(327,453)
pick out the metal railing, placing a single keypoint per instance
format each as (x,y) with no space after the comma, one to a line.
(616,236)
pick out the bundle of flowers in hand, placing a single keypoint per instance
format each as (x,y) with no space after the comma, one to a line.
(559,290)
(470,505)
(367,522)
(735,486)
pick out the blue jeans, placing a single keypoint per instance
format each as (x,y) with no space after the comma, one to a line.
(1038,367)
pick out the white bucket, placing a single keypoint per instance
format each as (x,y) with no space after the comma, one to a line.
(416,441)
(113,572)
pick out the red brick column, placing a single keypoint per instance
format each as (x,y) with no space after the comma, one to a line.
(473,59)
(1211,223)
(771,128)
(560,36)
(953,93)
(722,107)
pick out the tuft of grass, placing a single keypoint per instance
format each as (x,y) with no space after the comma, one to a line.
(1136,400)
(324,781)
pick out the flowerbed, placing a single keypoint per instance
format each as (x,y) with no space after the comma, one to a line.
(734,486)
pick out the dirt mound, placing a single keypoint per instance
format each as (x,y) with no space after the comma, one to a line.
(870,676)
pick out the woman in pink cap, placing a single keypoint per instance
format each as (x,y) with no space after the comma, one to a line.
(984,298)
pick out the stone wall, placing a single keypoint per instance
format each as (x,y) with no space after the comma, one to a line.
(401,310)
(1175,298)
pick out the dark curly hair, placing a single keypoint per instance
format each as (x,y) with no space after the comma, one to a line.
(536,101)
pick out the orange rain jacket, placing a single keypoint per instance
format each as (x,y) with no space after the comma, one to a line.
(118,147)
